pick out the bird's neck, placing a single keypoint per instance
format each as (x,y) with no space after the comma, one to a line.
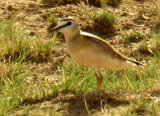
(72,36)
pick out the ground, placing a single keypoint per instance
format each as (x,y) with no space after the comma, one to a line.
(135,23)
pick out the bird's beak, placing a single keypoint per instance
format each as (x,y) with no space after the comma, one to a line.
(55,28)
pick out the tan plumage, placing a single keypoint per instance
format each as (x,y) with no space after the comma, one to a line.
(92,51)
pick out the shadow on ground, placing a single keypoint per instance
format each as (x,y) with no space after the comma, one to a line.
(82,104)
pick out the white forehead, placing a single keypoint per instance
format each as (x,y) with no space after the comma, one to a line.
(61,22)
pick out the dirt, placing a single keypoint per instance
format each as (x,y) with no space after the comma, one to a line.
(131,15)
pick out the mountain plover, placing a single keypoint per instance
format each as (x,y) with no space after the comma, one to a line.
(92,51)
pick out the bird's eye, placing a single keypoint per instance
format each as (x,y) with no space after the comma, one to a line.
(69,23)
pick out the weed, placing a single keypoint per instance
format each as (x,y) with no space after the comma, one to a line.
(140,0)
(114,3)
(143,48)
(12,40)
(103,21)
(133,37)
(157,13)
(104,18)
(156,40)
(96,3)
(50,17)
(158,10)
(11,69)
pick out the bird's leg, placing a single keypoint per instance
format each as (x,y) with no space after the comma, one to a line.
(99,79)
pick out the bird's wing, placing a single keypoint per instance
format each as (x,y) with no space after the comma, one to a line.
(105,46)
(108,49)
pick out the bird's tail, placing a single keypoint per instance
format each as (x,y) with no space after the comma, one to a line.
(136,64)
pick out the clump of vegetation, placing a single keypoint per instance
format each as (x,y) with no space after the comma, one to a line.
(103,20)
(143,48)
(104,17)
(142,106)
(157,13)
(14,43)
(113,3)
(49,16)
(140,0)
(97,3)
(10,70)
(133,37)
(155,43)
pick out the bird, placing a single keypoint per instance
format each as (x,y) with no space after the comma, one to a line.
(92,51)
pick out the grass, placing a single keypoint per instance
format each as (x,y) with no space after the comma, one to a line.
(99,20)
(14,43)
(20,95)
(158,9)
(143,48)
(17,49)
(156,41)
(76,79)
(104,21)
(133,37)
(157,14)
(104,18)
(96,3)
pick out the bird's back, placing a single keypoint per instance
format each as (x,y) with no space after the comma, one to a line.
(103,45)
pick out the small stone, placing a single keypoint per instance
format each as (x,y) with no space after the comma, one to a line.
(32,33)
(10,8)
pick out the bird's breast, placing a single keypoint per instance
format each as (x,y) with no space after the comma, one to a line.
(87,56)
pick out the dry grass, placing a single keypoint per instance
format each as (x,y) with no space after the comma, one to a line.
(38,78)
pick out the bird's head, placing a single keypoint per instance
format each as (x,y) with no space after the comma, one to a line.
(66,26)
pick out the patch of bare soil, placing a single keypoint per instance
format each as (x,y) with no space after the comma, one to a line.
(131,16)
(77,104)
(83,104)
